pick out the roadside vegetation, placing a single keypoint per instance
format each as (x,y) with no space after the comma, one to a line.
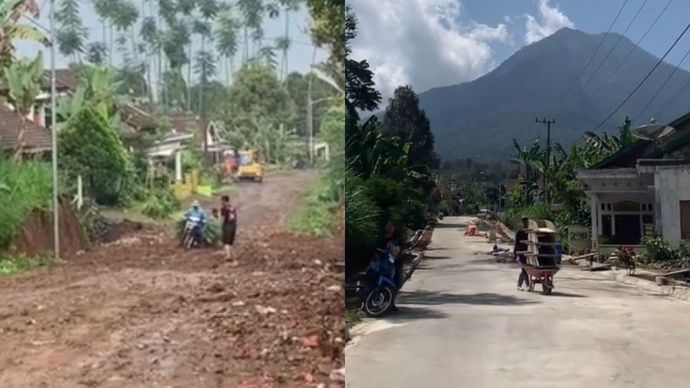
(389,164)
(389,161)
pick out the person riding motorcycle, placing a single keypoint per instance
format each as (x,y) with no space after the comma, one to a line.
(197,214)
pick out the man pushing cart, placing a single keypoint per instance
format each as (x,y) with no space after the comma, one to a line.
(538,253)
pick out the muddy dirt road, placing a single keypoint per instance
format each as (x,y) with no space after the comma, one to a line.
(143,313)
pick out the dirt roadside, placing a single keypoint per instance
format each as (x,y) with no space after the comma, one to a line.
(143,313)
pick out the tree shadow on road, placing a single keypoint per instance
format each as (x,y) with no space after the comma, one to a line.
(436,257)
(453,225)
(566,295)
(440,298)
(408,313)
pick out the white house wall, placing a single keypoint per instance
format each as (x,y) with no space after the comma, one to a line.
(672,185)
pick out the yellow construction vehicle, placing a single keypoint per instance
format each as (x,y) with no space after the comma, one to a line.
(249,166)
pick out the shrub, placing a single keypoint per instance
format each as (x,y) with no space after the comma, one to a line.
(658,249)
(362,220)
(160,204)
(90,146)
(24,187)
(513,216)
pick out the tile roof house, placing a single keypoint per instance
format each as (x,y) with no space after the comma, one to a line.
(643,189)
(36,138)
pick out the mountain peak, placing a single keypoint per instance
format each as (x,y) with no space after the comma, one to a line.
(502,104)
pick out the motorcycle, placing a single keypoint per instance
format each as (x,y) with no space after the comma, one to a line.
(380,287)
(191,236)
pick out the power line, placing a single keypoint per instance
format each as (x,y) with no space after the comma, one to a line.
(633,48)
(645,78)
(663,84)
(590,60)
(684,88)
(620,37)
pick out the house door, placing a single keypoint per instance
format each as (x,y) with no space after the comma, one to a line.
(627,229)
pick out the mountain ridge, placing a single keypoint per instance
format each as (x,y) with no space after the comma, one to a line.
(503,103)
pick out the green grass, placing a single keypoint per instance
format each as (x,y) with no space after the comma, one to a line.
(352,317)
(14,265)
(316,214)
(24,187)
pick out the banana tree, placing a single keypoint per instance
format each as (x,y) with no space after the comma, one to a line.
(24,80)
(11,29)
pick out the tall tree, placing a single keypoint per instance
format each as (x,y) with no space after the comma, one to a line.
(359,82)
(227,40)
(124,17)
(257,92)
(97,53)
(289,6)
(252,19)
(327,30)
(71,33)
(187,8)
(105,9)
(404,119)
(151,36)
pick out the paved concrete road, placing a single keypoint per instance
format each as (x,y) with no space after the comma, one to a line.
(462,323)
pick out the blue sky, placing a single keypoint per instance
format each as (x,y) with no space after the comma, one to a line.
(299,58)
(430,43)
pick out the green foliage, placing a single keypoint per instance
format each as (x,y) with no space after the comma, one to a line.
(160,204)
(257,93)
(315,216)
(405,120)
(71,33)
(658,249)
(539,211)
(298,86)
(363,217)
(24,79)
(16,264)
(24,187)
(212,232)
(101,160)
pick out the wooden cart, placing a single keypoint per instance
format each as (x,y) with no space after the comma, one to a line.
(541,254)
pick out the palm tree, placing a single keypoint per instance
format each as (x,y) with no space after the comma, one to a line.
(150,35)
(283,44)
(105,10)
(96,53)
(268,56)
(71,33)
(11,30)
(24,80)
(186,8)
(252,11)
(226,40)
(124,17)
(289,6)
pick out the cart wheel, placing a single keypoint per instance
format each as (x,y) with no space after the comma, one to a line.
(547,286)
(531,285)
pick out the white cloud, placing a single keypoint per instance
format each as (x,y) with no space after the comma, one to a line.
(419,43)
(551,19)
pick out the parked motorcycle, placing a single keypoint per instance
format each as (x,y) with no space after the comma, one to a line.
(380,287)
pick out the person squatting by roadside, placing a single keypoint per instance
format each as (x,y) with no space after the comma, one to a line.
(229,224)
(520,246)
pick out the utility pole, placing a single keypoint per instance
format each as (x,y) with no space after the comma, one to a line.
(548,155)
(53,130)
